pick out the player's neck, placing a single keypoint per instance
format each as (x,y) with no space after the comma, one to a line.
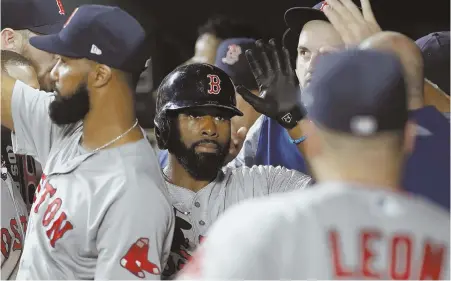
(111,115)
(176,174)
(387,175)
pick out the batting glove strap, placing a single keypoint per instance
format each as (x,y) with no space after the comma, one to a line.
(290,119)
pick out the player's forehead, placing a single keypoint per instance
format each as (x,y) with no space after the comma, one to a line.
(204,111)
(317,34)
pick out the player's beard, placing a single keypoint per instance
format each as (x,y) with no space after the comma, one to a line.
(201,166)
(70,109)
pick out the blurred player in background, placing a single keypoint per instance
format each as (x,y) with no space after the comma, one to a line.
(25,19)
(429,161)
(17,176)
(22,20)
(213,32)
(356,223)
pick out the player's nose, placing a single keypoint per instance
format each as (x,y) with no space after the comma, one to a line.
(208,126)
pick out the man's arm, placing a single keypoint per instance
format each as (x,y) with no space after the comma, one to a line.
(7,91)
(25,112)
(135,235)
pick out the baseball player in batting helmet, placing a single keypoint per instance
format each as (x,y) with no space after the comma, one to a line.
(356,223)
(194,106)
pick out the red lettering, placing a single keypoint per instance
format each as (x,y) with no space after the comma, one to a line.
(367,237)
(50,213)
(56,232)
(38,189)
(334,242)
(48,190)
(6,242)
(23,220)
(215,84)
(17,245)
(432,261)
(401,250)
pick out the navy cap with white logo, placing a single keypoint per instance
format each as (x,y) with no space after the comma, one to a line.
(39,16)
(104,34)
(435,49)
(231,58)
(359,92)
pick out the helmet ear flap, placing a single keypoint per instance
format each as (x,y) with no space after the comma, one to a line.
(162,131)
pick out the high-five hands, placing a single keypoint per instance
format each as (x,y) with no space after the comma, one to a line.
(353,25)
(279,96)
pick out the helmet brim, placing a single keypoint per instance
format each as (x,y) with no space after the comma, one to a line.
(175,107)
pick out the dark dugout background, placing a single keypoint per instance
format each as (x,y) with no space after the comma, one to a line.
(172,25)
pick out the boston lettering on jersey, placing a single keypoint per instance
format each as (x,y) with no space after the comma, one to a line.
(400,251)
(56,227)
(11,238)
(21,168)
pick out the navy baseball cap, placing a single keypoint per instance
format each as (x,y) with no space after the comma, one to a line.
(435,48)
(358,92)
(231,59)
(297,17)
(105,34)
(39,16)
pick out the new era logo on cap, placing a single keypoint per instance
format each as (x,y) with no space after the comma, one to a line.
(95,50)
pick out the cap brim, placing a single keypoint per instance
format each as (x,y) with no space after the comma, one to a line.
(297,17)
(48,29)
(235,111)
(53,44)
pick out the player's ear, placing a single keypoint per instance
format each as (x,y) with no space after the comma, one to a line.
(11,40)
(410,134)
(101,75)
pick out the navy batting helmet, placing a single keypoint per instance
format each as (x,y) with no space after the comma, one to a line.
(192,86)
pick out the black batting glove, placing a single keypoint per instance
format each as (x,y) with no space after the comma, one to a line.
(279,96)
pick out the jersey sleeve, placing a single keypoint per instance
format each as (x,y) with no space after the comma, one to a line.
(246,156)
(34,131)
(269,179)
(134,238)
(240,247)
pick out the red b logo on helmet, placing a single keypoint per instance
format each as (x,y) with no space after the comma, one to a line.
(215,84)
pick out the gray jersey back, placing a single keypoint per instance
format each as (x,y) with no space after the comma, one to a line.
(196,212)
(95,216)
(334,230)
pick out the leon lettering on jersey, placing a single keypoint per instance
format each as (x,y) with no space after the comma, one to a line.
(12,236)
(400,257)
(56,226)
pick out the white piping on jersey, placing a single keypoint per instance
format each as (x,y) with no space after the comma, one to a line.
(11,192)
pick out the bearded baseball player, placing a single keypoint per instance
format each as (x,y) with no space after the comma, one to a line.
(356,222)
(194,106)
(101,209)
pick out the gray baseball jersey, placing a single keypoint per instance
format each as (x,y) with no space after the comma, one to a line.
(196,212)
(331,231)
(101,215)
(14,225)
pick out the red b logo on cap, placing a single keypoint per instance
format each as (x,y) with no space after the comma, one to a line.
(215,84)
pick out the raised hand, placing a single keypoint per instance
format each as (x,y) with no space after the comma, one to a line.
(353,25)
(279,96)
